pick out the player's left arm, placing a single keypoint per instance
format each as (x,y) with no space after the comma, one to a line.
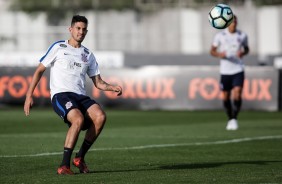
(243,52)
(245,48)
(104,86)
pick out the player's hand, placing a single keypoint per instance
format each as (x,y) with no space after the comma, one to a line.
(118,90)
(240,54)
(28,105)
(222,55)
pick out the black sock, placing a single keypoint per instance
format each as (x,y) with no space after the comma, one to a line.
(84,148)
(237,107)
(67,157)
(228,108)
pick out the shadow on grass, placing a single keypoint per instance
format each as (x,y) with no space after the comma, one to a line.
(190,166)
(214,164)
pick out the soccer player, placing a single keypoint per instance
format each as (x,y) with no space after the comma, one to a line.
(70,62)
(230,45)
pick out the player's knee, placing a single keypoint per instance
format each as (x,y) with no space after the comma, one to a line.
(237,96)
(78,122)
(102,117)
(101,120)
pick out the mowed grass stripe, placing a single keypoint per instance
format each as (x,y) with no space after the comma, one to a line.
(247,139)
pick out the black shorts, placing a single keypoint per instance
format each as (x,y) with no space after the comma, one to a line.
(64,102)
(227,82)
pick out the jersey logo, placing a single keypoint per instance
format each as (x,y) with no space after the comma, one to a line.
(84,58)
(63,45)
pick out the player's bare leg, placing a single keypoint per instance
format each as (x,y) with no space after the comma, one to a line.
(235,108)
(227,104)
(237,99)
(76,119)
(232,123)
(98,117)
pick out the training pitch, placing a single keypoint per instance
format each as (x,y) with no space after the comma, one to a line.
(146,147)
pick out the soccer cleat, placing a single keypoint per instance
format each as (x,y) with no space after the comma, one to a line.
(65,170)
(80,164)
(232,125)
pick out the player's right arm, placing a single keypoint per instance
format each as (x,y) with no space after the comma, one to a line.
(215,45)
(45,62)
(35,79)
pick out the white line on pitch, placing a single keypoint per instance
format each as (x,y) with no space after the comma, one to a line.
(247,139)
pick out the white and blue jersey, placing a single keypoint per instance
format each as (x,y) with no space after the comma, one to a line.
(230,43)
(69,67)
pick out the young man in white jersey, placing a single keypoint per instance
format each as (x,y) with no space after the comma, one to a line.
(70,62)
(230,46)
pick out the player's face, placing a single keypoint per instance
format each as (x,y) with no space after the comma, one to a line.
(78,31)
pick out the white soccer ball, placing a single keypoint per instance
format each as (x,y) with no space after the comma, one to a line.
(220,16)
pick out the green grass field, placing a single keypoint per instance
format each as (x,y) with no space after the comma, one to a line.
(146,147)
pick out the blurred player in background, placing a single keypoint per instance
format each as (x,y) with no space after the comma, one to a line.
(70,62)
(230,45)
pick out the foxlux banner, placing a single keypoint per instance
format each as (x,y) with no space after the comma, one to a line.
(154,87)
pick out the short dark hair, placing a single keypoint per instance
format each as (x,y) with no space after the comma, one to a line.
(235,18)
(78,18)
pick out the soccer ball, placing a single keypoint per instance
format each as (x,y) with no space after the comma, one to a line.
(220,16)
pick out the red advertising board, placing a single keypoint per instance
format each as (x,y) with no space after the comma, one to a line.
(154,87)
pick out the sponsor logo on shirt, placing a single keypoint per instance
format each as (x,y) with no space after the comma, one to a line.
(77,64)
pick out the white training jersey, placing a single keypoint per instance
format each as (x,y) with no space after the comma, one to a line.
(69,67)
(230,43)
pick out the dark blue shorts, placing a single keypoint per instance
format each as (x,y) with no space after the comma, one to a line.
(227,82)
(64,102)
